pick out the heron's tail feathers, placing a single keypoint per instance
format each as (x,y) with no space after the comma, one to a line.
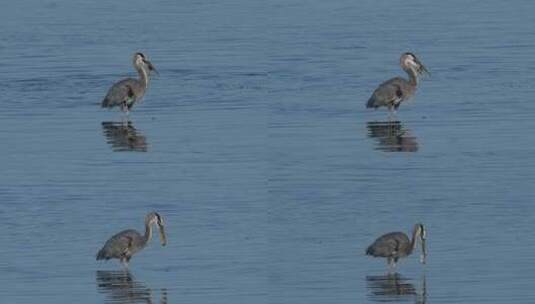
(106,103)
(370,251)
(371,103)
(102,255)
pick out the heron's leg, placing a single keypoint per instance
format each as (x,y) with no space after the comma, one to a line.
(396,106)
(390,113)
(124,109)
(393,112)
(126,118)
(389,262)
(124,261)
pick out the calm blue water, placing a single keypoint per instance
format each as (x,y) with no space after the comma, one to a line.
(255,146)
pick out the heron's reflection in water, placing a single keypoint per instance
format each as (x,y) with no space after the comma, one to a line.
(122,136)
(394,288)
(392,136)
(121,287)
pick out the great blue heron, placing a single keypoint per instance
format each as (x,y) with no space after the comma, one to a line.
(395,245)
(129,91)
(393,91)
(126,243)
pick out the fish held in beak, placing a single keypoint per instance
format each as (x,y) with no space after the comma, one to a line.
(420,67)
(423,256)
(163,237)
(422,70)
(152,68)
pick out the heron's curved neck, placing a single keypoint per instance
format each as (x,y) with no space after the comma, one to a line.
(148,232)
(413,76)
(143,75)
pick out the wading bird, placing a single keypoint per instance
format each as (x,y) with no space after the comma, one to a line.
(127,92)
(393,91)
(126,243)
(395,245)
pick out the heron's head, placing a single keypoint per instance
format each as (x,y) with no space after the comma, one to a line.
(420,232)
(140,60)
(155,218)
(410,61)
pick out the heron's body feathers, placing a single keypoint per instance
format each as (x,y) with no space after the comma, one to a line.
(122,245)
(391,93)
(124,93)
(394,244)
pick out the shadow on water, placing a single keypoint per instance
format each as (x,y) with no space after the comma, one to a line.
(395,288)
(121,287)
(123,136)
(392,136)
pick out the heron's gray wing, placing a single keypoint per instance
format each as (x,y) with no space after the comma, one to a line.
(389,93)
(386,245)
(118,245)
(120,94)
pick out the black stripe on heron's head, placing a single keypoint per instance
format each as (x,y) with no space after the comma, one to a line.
(140,55)
(159,218)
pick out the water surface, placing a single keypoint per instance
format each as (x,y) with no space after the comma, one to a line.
(256,147)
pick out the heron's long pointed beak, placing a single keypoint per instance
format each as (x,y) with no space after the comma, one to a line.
(421,68)
(163,238)
(424,70)
(152,68)
(424,252)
